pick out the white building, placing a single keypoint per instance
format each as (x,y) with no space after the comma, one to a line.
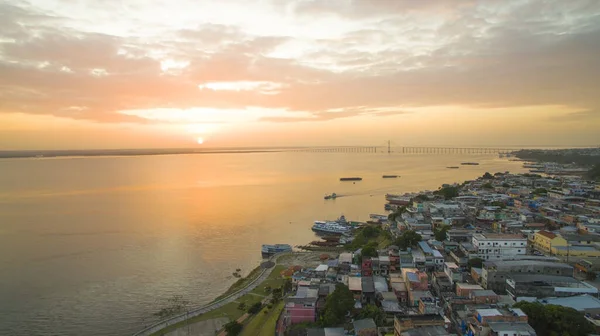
(493,246)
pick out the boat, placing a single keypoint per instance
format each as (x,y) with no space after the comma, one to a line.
(537,171)
(397,199)
(277,248)
(470,164)
(453,167)
(332,196)
(390,176)
(330,228)
(350,178)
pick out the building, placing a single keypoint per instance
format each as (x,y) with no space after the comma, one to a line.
(453,272)
(427,331)
(494,273)
(481,296)
(301,309)
(582,303)
(539,286)
(365,327)
(465,289)
(402,323)
(497,246)
(325,332)
(544,240)
(484,317)
(510,328)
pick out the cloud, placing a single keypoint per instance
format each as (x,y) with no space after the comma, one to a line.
(586,116)
(376,55)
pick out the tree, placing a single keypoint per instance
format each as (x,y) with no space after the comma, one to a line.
(441,233)
(398,213)
(277,294)
(287,286)
(594,173)
(337,306)
(255,308)
(233,328)
(487,176)
(421,198)
(555,320)
(505,185)
(242,306)
(488,186)
(407,239)
(540,191)
(370,250)
(475,262)
(449,192)
(374,312)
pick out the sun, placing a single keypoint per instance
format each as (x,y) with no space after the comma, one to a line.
(200,141)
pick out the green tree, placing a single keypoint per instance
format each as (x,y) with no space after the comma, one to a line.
(374,312)
(488,186)
(407,239)
(487,176)
(475,262)
(594,173)
(242,306)
(287,286)
(441,233)
(276,294)
(540,191)
(505,185)
(255,308)
(233,328)
(555,320)
(337,306)
(448,192)
(370,250)
(397,213)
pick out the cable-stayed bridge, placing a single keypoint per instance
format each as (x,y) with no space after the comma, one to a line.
(389,148)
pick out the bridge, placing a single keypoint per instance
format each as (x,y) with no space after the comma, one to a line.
(406,150)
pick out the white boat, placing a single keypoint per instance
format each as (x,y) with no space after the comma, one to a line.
(277,248)
(330,227)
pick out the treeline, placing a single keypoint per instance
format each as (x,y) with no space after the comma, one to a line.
(558,156)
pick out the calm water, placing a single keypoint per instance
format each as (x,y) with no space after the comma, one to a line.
(95,246)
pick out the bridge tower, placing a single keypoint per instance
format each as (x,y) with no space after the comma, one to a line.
(389,147)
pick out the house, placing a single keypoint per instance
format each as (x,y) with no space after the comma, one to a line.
(389,303)
(426,331)
(497,246)
(452,271)
(301,309)
(544,240)
(325,332)
(399,288)
(484,296)
(402,323)
(368,290)
(355,286)
(441,282)
(365,327)
(367,267)
(465,289)
(510,328)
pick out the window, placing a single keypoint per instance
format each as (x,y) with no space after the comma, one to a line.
(505,243)
(518,250)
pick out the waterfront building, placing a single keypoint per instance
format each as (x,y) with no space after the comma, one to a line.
(494,273)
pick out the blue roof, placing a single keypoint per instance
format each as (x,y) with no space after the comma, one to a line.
(425,247)
(412,277)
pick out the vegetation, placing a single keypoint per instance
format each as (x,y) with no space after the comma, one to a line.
(240,283)
(505,185)
(407,239)
(255,308)
(594,173)
(441,233)
(394,215)
(242,306)
(233,328)
(337,306)
(487,176)
(448,192)
(374,312)
(369,250)
(370,235)
(421,198)
(558,156)
(265,323)
(475,262)
(540,191)
(553,320)
(488,186)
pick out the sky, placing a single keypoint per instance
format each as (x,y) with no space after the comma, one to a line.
(77,74)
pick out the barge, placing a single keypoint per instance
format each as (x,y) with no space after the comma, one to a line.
(350,178)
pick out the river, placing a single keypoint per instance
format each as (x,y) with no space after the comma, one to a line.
(96,245)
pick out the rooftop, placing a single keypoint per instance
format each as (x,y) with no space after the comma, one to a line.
(580,303)
(512,326)
(547,234)
(542,277)
(497,236)
(363,324)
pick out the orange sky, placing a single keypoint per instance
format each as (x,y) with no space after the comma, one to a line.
(105,74)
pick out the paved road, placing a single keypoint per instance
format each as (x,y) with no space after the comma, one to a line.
(180,318)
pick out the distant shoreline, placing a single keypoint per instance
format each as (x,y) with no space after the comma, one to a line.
(124,152)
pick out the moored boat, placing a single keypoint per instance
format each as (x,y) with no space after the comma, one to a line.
(331,196)
(470,164)
(453,167)
(273,249)
(350,178)
(390,176)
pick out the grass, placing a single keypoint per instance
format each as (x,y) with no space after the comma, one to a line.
(230,310)
(263,324)
(241,283)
